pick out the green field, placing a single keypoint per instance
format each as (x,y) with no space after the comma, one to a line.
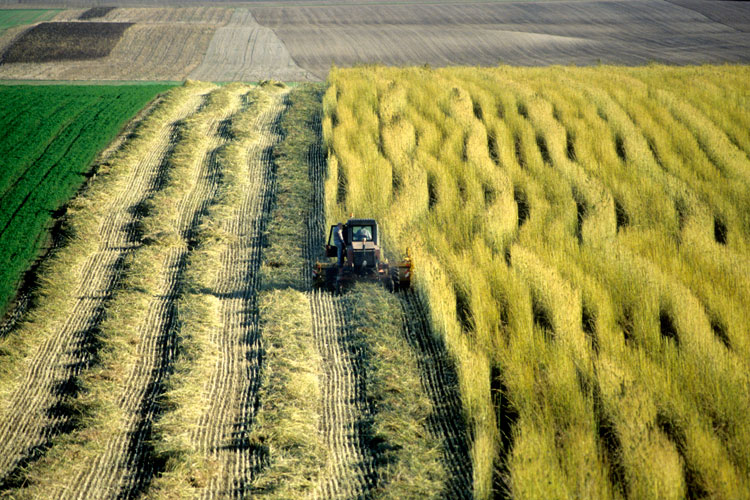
(49,137)
(17,17)
(582,236)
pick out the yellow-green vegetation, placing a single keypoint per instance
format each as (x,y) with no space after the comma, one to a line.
(408,455)
(582,236)
(287,426)
(99,401)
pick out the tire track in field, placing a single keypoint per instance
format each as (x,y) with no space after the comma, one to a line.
(351,470)
(36,412)
(440,383)
(352,475)
(345,423)
(125,464)
(224,429)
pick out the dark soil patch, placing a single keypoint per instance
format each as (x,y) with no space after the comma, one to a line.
(65,41)
(95,12)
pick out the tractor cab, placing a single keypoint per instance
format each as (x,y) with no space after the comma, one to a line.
(361,237)
(362,258)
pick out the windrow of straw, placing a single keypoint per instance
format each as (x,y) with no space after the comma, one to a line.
(186,392)
(581,236)
(287,426)
(149,278)
(59,275)
(409,457)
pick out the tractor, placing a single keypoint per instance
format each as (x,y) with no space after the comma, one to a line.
(362,261)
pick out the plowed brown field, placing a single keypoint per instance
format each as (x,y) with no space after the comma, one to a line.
(301,42)
(523,33)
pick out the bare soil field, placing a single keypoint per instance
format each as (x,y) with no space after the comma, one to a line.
(735,14)
(62,41)
(296,42)
(162,44)
(243,50)
(95,12)
(529,33)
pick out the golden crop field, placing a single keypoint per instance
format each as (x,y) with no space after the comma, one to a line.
(582,238)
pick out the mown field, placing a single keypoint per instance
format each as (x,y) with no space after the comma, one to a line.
(174,346)
(582,238)
(50,136)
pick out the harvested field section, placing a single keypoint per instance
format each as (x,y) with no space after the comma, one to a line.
(582,241)
(161,44)
(61,41)
(213,16)
(351,471)
(63,334)
(224,430)
(526,33)
(243,50)
(204,439)
(191,184)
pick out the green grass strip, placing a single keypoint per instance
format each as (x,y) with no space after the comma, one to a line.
(49,137)
(17,17)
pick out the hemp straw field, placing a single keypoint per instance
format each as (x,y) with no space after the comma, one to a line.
(583,236)
(577,324)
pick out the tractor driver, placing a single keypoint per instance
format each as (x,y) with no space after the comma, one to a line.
(364,234)
(338,240)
